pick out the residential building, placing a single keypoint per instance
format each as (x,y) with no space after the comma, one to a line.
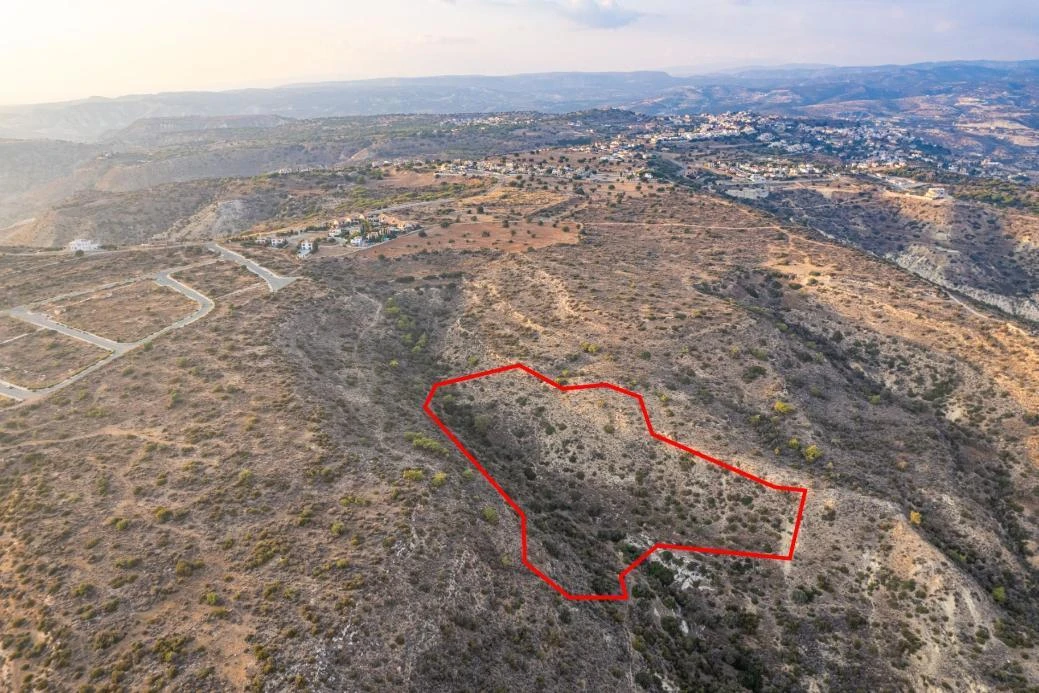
(84,245)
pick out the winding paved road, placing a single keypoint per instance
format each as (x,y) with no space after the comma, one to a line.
(115,349)
(24,395)
(274,281)
(205,304)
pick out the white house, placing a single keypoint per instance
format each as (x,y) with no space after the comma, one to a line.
(84,244)
(305,247)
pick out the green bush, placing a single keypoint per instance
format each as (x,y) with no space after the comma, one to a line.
(752,373)
(183,569)
(84,589)
(426,443)
(482,423)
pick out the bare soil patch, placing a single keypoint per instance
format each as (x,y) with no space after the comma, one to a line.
(481,235)
(218,278)
(124,313)
(11,328)
(44,358)
(408,179)
(283,261)
(39,277)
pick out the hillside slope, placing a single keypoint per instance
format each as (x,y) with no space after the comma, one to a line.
(276,510)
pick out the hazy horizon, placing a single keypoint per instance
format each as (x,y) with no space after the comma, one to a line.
(66,51)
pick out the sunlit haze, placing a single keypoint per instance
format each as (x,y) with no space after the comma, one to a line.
(57,50)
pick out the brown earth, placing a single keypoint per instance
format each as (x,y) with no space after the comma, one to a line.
(44,358)
(219,278)
(258,500)
(11,328)
(29,279)
(124,313)
(518,237)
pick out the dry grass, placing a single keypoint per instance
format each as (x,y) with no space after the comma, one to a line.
(483,235)
(125,313)
(407,180)
(218,278)
(240,485)
(40,277)
(283,261)
(44,358)
(11,328)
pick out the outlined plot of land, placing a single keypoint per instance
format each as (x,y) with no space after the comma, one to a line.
(274,281)
(44,357)
(219,278)
(49,344)
(597,489)
(123,314)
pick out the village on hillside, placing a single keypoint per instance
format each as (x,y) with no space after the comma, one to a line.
(360,231)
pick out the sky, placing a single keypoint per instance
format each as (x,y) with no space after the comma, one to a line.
(53,50)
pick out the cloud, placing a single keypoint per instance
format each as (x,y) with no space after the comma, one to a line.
(597,14)
(593,14)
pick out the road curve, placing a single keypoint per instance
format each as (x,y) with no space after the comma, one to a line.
(14,392)
(25,395)
(115,349)
(274,281)
(205,303)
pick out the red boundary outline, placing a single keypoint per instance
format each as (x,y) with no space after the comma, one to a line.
(788,556)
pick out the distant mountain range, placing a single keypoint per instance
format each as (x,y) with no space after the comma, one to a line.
(783,89)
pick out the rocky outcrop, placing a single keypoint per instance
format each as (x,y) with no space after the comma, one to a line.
(1019,306)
